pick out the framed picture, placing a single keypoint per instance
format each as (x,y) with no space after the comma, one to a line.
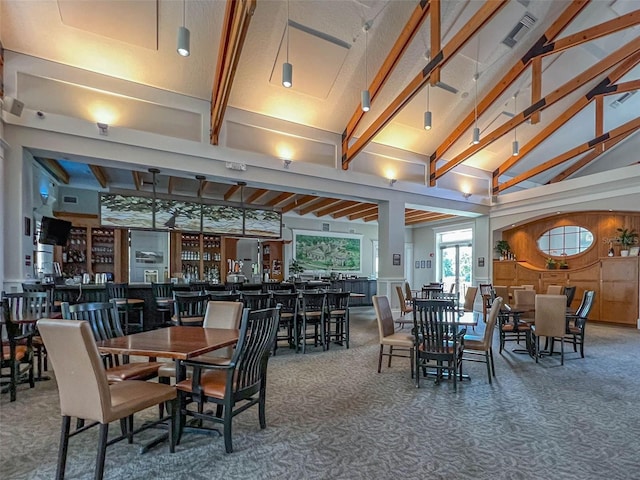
(328,251)
(428,263)
(396,259)
(480,261)
(423,264)
(634,251)
(417,265)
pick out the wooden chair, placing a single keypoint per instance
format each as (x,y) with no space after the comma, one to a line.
(163,300)
(240,384)
(288,302)
(475,347)
(439,340)
(85,392)
(577,323)
(555,290)
(254,300)
(338,318)
(550,322)
(312,314)
(224,297)
(388,335)
(404,308)
(17,352)
(525,301)
(570,292)
(189,308)
(126,306)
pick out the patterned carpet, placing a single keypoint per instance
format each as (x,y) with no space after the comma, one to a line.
(331,416)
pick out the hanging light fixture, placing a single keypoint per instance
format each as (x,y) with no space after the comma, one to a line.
(366,96)
(515,147)
(184,35)
(427,113)
(476,130)
(287,68)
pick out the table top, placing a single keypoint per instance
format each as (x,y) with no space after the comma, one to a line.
(180,343)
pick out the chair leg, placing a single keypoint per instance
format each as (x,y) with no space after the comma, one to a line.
(582,346)
(64,445)
(488,360)
(493,367)
(561,353)
(262,405)
(380,358)
(228,445)
(173,424)
(390,355)
(537,348)
(575,349)
(102,450)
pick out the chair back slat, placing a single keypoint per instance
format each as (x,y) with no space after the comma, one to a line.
(103,318)
(435,329)
(256,301)
(190,308)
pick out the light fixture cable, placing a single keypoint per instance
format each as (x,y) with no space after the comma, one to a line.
(476,130)
(427,113)
(515,150)
(183,34)
(287,68)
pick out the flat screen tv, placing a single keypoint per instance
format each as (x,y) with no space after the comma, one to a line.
(54,231)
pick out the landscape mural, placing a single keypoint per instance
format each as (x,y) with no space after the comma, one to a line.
(340,252)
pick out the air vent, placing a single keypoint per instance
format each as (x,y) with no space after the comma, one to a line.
(325,227)
(619,101)
(69,199)
(352,230)
(520,30)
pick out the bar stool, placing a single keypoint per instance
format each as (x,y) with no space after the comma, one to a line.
(338,318)
(120,293)
(163,298)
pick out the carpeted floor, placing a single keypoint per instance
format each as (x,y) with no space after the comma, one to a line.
(331,416)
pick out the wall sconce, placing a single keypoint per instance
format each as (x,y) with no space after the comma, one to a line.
(286,162)
(103,128)
(392,181)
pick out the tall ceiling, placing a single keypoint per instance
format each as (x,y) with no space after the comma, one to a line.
(575,62)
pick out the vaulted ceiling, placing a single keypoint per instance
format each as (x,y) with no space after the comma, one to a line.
(558,77)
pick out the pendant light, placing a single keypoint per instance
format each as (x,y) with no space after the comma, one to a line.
(427,113)
(184,35)
(366,96)
(287,68)
(515,147)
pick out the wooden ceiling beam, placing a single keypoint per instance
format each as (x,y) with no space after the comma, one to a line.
(536,86)
(284,196)
(563,20)
(440,59)
(417,213)
(202,187)
(257,194)
(236,21)
(365,212)
(55,169)
(585,147)
(553,97)
(589,158)
(565,116)
(623,87)
(371,218)
(229,193)
(318,205)
(403,41)
(428,218)
(171,184)
(137,179)
(100,175)
(299,202)
(355,210)
(599,119)
(435,38)
(338,207)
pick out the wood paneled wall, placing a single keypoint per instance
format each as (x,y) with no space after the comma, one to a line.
(602,225)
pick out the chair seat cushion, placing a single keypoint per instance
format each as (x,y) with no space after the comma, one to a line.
(133,371)
(399,339)
(475,343)
(188,320)
(167,369)
(131,396)
(574,330)
(213,383)
(21,351)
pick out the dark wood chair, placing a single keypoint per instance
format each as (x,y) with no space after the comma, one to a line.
(480,349)
(17,353)
(312,314)
(570,292)
(224,296)
(439,339)
(240,384)
(338,318)
(189,308)
(256,301)
(577,323)
(198,286)
(126,306)
(288,303)
(163,300)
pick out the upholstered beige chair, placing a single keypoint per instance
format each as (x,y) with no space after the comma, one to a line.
(550,321)
(525,301)
(400,340)
(469,299)
(555,290)
(475,346)
(502,291)
(85,392)
(404,308)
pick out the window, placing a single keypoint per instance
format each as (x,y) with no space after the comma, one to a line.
(565,241)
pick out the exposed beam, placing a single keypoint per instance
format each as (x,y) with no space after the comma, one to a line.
(434,33)
(279,199)
(441,216)
(588,158)
(202,187)
(585,147)
(238,14)
(366,212)
(55,169)
(623,87)
(600,119)
(229,193)
(553,97)
(336,208)
(137,179)
(440,59)
(536,86)
(318,205)
(564,19)
(171,184)
(371,218)
(257,194)
(100,175)
(416,213)
(299,202)
(601,89)
(395,54)
(354,210)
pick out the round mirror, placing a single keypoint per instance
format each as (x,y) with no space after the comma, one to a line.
(565,241)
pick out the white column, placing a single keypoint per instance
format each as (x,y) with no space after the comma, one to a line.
(390,245)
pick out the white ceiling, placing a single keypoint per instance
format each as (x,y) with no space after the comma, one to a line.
(135,40)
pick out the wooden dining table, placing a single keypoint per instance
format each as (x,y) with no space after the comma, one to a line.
(177,343)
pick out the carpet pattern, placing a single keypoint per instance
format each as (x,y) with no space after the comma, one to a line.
(330,415)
